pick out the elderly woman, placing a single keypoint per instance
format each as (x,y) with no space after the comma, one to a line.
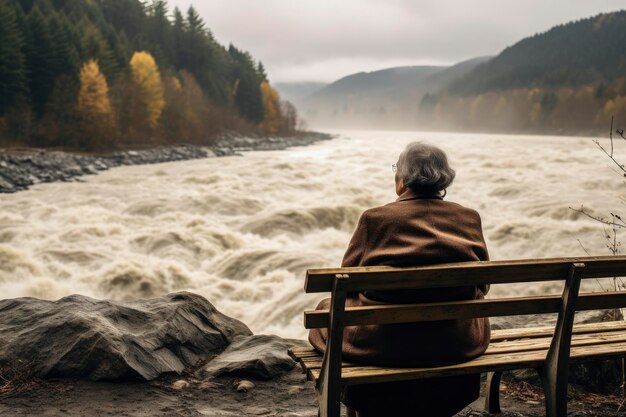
(419,228)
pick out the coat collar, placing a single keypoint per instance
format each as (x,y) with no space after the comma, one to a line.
(412,195)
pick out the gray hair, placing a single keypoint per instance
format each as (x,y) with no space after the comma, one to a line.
(424,168)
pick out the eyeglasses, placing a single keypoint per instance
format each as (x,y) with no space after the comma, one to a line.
(394,167)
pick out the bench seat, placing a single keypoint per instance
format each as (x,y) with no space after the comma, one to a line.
(509,349)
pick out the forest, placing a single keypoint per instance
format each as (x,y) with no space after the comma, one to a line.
(570,79)
(105,74)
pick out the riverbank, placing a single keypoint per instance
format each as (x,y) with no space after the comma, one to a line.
(22,168)
(289,395)
(178,355)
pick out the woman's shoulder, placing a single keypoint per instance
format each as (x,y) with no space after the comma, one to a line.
(419,207)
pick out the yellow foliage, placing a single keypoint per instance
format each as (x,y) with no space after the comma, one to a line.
(147,79)
(615,106)
(476,108)
(175,84)
(535,114)
(272,121)
(93,96)
(500,105)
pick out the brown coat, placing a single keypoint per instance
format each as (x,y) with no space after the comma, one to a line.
(415,230)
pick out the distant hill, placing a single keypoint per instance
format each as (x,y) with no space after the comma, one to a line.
(295,92)
(572,54)
(387,98)
(373,85)
(570,79)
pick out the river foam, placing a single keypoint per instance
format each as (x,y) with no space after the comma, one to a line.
(242,230)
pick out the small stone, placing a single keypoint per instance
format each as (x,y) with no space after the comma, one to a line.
(180,384)
(244,385)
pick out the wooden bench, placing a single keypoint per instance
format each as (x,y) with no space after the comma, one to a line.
(548,349)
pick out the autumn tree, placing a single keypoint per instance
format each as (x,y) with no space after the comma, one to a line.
(94,107)
(147,80)
(272,119)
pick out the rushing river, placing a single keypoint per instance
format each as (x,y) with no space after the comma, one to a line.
(242,230)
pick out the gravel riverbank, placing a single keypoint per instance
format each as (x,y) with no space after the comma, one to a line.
(22,168)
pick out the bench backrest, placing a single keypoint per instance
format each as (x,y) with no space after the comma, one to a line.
(463,274)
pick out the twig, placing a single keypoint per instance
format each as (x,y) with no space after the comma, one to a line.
(620,224)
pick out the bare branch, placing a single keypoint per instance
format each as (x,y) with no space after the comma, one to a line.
(620,223)
(610,155)
(611,136)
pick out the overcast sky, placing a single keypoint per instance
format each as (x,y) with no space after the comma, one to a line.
(322,40)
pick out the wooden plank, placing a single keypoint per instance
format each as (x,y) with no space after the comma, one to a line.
(371,374)
(409,313)
(543,343)
(486,363)
(544,331)
(463,273)
(298,353)
(515,346)
(602,329)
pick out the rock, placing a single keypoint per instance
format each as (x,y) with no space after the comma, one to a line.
(258,357)
(180,384)
(23,168)
(244,385)
(80,337)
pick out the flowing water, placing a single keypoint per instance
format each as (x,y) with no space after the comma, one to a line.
(242,230)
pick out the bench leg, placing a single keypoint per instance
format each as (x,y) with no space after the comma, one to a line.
(492,397)
(555,391)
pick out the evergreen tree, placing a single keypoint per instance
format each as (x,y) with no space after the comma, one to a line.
(247,86)
(260,70)
(94,46)
(41,60)
(13,75)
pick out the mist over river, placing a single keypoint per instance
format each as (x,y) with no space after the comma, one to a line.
(241,230)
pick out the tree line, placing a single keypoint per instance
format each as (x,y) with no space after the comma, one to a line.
(570,79)
(584,109)
(108,73)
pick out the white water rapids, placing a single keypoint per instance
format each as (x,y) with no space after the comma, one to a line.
(242,230)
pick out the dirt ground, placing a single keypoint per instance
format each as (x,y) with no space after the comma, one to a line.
(288,396)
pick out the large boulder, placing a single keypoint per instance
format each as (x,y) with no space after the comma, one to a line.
(258,357)
(81,337)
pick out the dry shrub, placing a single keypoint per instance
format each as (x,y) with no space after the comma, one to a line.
(17,378)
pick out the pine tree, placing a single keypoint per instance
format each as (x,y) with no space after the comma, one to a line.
(13,79)
(247,86)
(94,46)
(260,70)
(41,60)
